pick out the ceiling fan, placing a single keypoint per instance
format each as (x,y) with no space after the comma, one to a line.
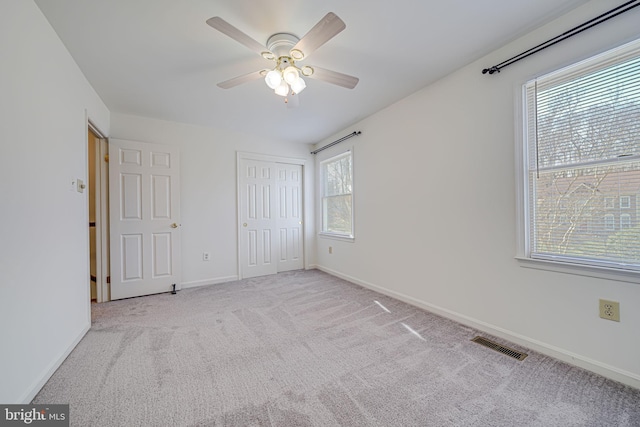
(285,49)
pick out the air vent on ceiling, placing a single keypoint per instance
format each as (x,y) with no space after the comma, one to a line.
(502,349)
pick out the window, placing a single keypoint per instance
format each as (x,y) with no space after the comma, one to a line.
(625,202)
(336,177)
(609,202)
(625,221)
(581,154)
(609,222)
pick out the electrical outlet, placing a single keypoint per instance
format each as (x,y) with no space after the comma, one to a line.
(330,249)
(610,310)
(206,256)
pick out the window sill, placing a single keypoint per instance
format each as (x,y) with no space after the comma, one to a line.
(580,269)
(337,237)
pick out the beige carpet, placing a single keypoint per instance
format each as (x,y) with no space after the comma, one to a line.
(307,349)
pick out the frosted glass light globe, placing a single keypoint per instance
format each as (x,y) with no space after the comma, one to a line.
(273,79)
(290,74)
(283,89)
(298,86)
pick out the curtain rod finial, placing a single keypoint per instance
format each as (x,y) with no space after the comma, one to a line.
(491,70)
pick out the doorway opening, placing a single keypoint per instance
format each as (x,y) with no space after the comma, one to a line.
(98,193)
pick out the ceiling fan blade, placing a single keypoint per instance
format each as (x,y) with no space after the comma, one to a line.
(333,77)
(322,32)
(225,28)
(228,84)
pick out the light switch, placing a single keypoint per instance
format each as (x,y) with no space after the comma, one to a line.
(80,185)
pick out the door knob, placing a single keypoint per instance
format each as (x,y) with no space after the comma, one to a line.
(244,225)
(174,225)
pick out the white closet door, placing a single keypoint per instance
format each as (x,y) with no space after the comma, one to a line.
(257,218)
(270,200)
(289,217)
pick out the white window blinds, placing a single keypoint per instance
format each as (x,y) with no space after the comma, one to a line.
(583,156)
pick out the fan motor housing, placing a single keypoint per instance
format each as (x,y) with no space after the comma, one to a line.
(281,43)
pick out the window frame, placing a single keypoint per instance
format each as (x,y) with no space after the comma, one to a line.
(626,205)
(610,222)
(523,256)
(609,202)
(625,221)
(333,156)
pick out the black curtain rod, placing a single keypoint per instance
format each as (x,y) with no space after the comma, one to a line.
(572,32)
(337,141)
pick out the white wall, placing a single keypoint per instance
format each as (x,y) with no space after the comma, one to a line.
(435,206)
(208,190)
(412,238)
(44,277)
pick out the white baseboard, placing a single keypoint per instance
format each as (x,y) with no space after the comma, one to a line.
(611,372)
(52,368)
(206,282)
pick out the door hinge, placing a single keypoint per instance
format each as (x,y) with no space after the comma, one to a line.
(106,158)
(108,279)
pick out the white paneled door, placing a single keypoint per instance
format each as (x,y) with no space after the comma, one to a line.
(270,206)
(258,224)
(144,218)
(289,217)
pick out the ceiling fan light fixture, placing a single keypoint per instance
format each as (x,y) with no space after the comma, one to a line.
(285,49)
(296,54)
(298,86)
(282,89)
(273,79)
(290,74)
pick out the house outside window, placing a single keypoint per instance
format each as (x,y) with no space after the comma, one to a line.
(582,160)
(336,177)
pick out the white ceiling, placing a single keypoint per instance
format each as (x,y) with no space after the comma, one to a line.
(159,59)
